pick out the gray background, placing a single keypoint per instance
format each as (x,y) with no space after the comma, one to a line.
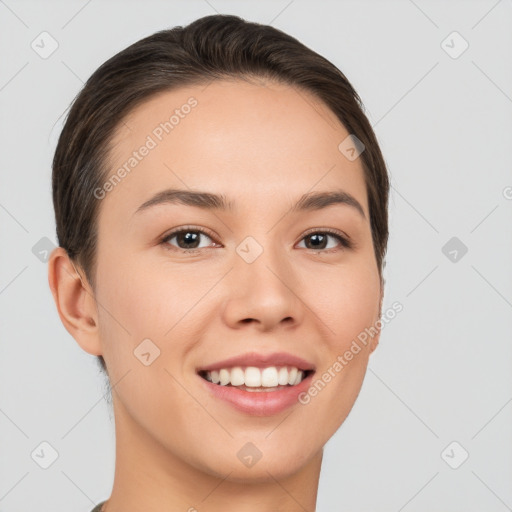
(442,370)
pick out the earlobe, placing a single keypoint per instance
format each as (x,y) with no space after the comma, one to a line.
(374,342)
(376,338)
(75,301)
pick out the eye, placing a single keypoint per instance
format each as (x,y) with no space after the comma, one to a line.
(187,239)
(318,240)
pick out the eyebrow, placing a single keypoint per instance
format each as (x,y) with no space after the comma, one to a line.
(209,201)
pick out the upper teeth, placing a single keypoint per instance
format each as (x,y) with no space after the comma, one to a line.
(254,377)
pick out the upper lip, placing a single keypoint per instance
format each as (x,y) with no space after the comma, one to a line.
(261,361)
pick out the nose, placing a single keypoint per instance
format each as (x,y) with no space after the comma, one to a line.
(265,293)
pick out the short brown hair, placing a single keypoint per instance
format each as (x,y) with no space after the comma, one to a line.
(212,47)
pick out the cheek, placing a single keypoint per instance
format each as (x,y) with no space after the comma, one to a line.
(137,306)
(148,302)
(346,302)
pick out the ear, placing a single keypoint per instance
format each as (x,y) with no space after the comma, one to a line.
(375,340)
(75,301)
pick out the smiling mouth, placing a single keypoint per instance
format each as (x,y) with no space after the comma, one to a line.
(256,379)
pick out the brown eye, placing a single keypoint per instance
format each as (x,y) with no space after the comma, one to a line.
(319,240)
(186,239)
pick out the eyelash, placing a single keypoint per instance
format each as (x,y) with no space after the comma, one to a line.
(345,242)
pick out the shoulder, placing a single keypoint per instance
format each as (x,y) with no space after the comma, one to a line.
(97,508)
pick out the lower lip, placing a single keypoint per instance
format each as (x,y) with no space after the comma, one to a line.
(259,403)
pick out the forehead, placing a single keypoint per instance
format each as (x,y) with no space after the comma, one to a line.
(255,143)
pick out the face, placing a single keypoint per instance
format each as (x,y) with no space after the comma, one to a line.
(261,275)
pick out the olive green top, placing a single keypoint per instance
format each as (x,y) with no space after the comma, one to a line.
(97,508)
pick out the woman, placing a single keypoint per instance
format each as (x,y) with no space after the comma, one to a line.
(221,210)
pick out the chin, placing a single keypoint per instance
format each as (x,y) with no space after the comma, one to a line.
(249,464)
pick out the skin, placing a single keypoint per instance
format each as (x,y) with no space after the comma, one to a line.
(262,145)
